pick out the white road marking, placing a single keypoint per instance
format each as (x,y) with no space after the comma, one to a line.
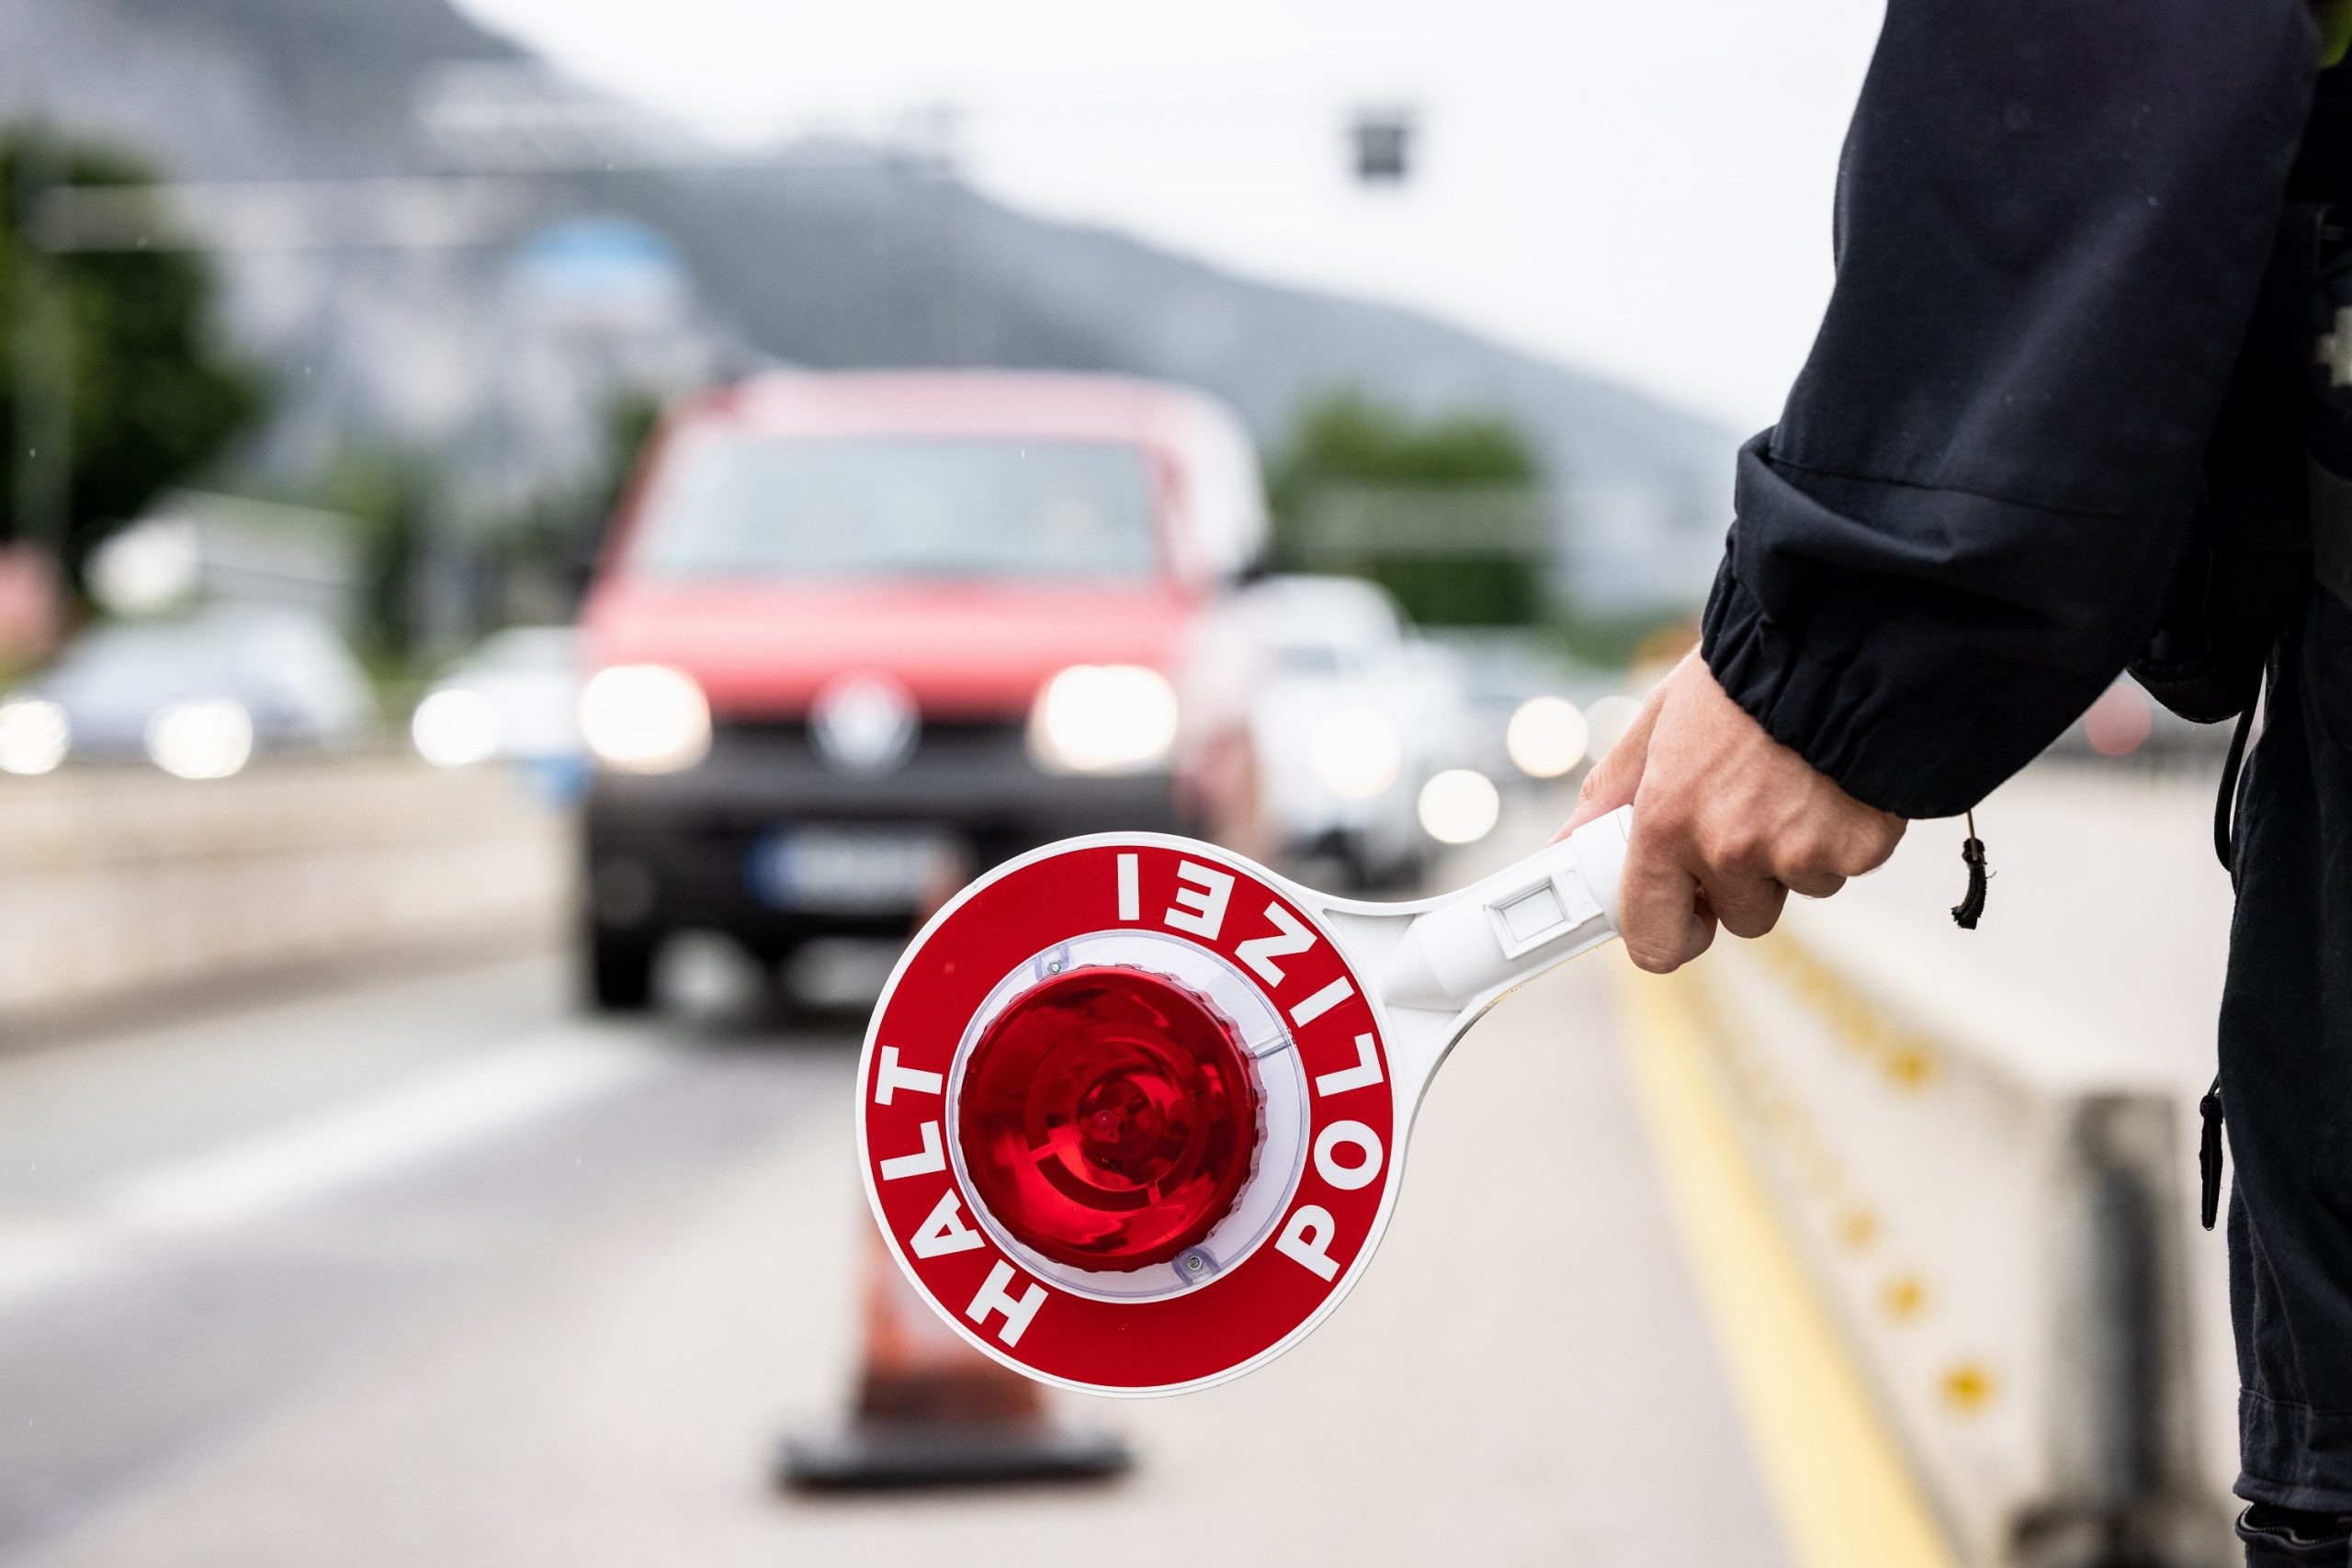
(315,1157)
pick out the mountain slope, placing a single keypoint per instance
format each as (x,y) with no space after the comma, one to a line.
(858,262)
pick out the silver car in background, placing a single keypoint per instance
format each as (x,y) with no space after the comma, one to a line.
(199,695)
(1354,718)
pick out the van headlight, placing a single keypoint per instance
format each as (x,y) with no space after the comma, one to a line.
(1104,718)
(1356,752)
(645,718)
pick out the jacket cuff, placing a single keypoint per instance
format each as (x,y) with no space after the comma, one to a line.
(1809,697)
(1920,739)
(1917,644)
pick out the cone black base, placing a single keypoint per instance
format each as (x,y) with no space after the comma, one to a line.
(881,1455)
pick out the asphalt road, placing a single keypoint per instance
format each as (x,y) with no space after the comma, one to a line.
(430,1269)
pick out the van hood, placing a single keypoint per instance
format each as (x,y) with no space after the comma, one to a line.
(964,650)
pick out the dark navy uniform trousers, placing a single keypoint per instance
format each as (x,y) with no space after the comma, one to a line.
(2287,1080)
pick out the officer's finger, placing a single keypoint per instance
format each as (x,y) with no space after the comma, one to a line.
(1664,922)
(1835,846)
(1614,779)
(1813,884)
(1870,838)
(1747,904)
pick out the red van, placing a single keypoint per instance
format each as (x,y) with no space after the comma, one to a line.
(856,636)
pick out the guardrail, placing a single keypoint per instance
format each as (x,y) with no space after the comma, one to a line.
(87,817)
(1997,1223)
(114,880)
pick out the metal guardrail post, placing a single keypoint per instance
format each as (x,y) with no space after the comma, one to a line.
(2125,1492)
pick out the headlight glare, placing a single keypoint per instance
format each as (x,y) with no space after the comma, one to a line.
(1547,735)
(645,718)
(34,736)
(1104,718)
(454,727)
(206,739)
(1459,806)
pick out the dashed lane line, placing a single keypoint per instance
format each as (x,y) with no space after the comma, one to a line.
(315,1157)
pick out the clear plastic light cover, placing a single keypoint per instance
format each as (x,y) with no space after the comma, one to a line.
(1109,1118)
(1219,1149)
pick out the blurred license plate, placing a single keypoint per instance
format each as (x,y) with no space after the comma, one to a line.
(852,870)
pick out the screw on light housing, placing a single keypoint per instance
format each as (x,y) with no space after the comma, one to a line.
(1109,1118)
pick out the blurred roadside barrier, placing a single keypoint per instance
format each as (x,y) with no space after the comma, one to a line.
(1994,1199)
(119,880)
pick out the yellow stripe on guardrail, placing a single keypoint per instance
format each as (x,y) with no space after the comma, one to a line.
(1845,1496)
(1909,1061)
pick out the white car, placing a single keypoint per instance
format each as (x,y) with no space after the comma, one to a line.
(515,698)
(1355,715)
(1525,707)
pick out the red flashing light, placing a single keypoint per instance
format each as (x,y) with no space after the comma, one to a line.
(1108,1118)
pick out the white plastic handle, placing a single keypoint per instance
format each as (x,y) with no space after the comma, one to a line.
(1508,928)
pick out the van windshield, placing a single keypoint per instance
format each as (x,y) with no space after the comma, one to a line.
(902,507)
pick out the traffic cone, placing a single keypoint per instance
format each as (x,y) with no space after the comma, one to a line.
(930,1411)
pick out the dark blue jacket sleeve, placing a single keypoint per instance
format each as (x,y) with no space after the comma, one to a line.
(2052,220)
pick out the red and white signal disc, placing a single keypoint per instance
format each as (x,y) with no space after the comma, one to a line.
(1202,1277)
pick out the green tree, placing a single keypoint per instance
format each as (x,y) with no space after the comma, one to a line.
(127,335)
(1346,447)
(391,495)
(562,532)
(629,423)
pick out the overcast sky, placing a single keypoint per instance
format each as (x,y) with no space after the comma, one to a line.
(1636,187)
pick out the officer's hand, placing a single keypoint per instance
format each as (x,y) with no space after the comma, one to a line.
(1727,821)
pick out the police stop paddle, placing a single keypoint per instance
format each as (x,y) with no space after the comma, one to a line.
(1132,1109)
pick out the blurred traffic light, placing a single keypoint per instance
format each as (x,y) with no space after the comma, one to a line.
(1383,142)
